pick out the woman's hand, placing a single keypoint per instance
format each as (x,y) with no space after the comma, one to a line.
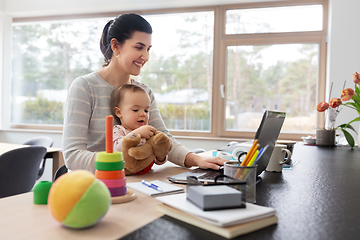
(204,162)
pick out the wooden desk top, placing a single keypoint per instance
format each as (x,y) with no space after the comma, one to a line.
(4,147)
(21,219)
(317,199)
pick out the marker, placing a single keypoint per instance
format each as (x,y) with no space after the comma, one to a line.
(251,162)
(151,185)
(261,153)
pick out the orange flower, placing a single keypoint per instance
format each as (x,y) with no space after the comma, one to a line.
(356,78)
(321,107)
(346,94)
(335,102)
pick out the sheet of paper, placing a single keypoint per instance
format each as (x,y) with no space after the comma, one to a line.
(167,188)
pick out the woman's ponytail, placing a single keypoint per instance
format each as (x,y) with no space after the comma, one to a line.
(105,45)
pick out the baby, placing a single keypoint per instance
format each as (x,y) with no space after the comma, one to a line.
(130,104)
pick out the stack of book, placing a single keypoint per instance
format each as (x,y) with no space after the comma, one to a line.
(228,223)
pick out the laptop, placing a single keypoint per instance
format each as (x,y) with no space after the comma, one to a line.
(267,134)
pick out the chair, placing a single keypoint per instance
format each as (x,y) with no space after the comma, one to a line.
(61,170)
(40,141)
(19,169)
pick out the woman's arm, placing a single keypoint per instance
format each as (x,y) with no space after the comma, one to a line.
(84,122)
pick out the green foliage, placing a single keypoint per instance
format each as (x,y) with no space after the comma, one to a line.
(356,106)
(173,111)
(42,111)
(51,56)
(186,117)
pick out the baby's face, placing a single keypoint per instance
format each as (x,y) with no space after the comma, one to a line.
(134,110)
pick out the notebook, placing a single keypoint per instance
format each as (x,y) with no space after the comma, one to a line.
(166,188)
(267,134)
(227,232)
(228,222)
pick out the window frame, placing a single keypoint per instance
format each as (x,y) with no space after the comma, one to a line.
(221,42)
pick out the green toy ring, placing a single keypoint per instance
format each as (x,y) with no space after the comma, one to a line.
(109,166)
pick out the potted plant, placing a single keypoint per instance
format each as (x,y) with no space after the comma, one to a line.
(334,104)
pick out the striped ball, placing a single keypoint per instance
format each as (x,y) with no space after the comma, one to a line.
(78,200)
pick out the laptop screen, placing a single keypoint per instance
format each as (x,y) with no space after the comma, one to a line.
(267,134)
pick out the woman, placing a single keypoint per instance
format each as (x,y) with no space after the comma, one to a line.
(125,44)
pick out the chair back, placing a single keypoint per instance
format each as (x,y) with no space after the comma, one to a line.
(61,170)
(39,141)
(19,169)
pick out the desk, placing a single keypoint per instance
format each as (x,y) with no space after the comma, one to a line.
(54,153)
(21,219)
(318,199)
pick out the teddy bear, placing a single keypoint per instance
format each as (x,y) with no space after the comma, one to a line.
(139,157)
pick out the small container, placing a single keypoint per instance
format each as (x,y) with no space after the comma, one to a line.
(247,174)
(325,137)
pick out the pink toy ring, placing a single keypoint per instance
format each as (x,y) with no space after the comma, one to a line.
(114,183)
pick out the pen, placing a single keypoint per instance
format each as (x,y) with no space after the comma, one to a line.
(151,185)
(261,153)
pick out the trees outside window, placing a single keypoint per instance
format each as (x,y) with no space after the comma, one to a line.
(213,71)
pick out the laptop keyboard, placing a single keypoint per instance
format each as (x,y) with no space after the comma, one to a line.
(208,173)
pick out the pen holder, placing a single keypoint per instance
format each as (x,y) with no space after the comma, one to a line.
(247,174)
(229,191)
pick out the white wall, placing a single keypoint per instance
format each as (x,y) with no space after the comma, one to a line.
(343,50)
(343,46)
(26,8)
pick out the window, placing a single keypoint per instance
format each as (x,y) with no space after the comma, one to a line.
(274,60)
(46,58)
(274,19)
(213,69)
(279,77)
(180,69)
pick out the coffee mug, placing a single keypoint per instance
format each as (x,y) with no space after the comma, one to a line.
(277,158)
(289,144)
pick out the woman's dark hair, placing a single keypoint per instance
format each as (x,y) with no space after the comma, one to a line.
(122,29)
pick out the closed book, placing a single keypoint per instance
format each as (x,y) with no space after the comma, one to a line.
(228,222)
(227,232)
(214,197)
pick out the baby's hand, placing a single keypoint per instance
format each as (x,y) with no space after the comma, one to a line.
(146,131)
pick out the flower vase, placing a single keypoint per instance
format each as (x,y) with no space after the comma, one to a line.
(325,137)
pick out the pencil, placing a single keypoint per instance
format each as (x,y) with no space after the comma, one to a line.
(247,158)
(250,153)
(251,162)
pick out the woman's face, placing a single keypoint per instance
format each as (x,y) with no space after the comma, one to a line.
(134,53)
